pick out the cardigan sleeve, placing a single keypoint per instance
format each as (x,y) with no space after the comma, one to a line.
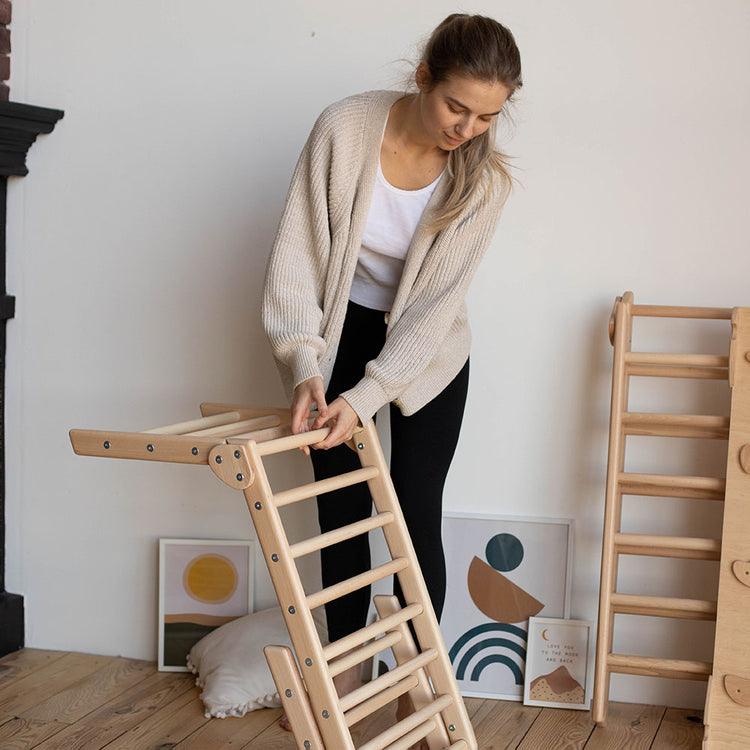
(295,276)
(438,293)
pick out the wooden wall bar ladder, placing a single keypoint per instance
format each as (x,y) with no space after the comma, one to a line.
(624,423)
(232,441)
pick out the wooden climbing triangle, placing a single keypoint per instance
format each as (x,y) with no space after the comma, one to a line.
(233,441)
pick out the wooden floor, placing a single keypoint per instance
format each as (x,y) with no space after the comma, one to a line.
(69,701)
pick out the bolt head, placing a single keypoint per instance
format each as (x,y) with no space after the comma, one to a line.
(258,506)
(237,454)
(150,448)
(274,557)
(361,446)
(326,714)
(288,693)
(452,727)
(292,610)
(307,744)
(195,451)
(240,477)
(106,445)
(219,459)
(308,662)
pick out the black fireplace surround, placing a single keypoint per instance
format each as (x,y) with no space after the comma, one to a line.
(20,124)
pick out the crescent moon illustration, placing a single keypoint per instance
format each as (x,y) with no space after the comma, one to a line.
(544,634)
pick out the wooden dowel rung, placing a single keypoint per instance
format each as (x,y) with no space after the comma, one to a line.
(293,441)
(418,720)
(460,745)
(356,582)
(411,739)
(676,360)
(362,653)
(237,428)
(341,534)
(687,373)
(701,488)
(260,436)
(669,311)
(369,689)
(324,485)
(690,548)
(675,425)
(649,666)
(374,630)
(181,428)
(656,606)
(383,698)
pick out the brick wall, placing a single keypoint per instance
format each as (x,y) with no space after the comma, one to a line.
(5,15)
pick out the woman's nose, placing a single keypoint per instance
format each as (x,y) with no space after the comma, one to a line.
(465,127)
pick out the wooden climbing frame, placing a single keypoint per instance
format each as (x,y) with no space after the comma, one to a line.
(233,441)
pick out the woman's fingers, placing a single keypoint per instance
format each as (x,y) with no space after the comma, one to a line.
(307,393)
(343,421)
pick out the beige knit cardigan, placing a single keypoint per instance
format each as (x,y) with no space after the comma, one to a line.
(312,264)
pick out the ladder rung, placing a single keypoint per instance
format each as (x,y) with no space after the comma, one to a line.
(694,373)
(670,311)
(701,488)
(649,666)
(324,485)
(368,690)
(237,428)
(279,445)
(356,582)
(341,534)
(384,697)
(668,546)
(374,630)
(410,739)
(676,425)
(408,725)
(364,652)
(676,360)
(195,424)
(656,606)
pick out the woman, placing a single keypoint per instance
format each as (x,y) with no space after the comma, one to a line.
(392,205)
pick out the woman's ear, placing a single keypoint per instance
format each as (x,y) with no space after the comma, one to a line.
(423,77)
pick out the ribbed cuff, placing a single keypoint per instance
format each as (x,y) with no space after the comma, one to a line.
(366,398)
(304,365)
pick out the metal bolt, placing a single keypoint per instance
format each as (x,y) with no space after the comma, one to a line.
(237,454)
(106,445)
(150,448)
(308,662)
(288,693)
(452,727)
(326,714)
(307,744)
(219,459)
(240,477)
(292,610)
(275,557)
(361,446)
(195,451)
(258,506)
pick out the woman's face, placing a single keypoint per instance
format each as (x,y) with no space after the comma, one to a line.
(459,108)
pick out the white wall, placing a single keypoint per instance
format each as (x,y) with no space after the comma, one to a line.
(138,243)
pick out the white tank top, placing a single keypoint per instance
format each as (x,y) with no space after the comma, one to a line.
(393,218)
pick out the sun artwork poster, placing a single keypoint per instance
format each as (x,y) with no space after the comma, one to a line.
(501,571)
(202,585)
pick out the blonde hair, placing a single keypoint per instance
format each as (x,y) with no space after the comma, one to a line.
(481,48)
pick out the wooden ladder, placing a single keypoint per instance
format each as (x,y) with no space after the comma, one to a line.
(233,441)
(624,423)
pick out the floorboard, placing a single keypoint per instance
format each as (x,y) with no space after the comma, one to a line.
(54,700)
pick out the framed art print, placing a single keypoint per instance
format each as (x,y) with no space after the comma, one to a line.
(502,570)
(559,665)
(203,583)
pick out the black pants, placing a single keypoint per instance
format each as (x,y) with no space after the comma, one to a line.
(422,448)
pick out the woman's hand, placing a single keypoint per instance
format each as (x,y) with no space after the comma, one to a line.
(342,419)
(307,393)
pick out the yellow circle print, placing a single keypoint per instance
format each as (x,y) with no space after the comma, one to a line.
(211,578)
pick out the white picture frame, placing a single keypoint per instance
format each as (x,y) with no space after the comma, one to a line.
(489,602)
(559,663)
(203,583)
